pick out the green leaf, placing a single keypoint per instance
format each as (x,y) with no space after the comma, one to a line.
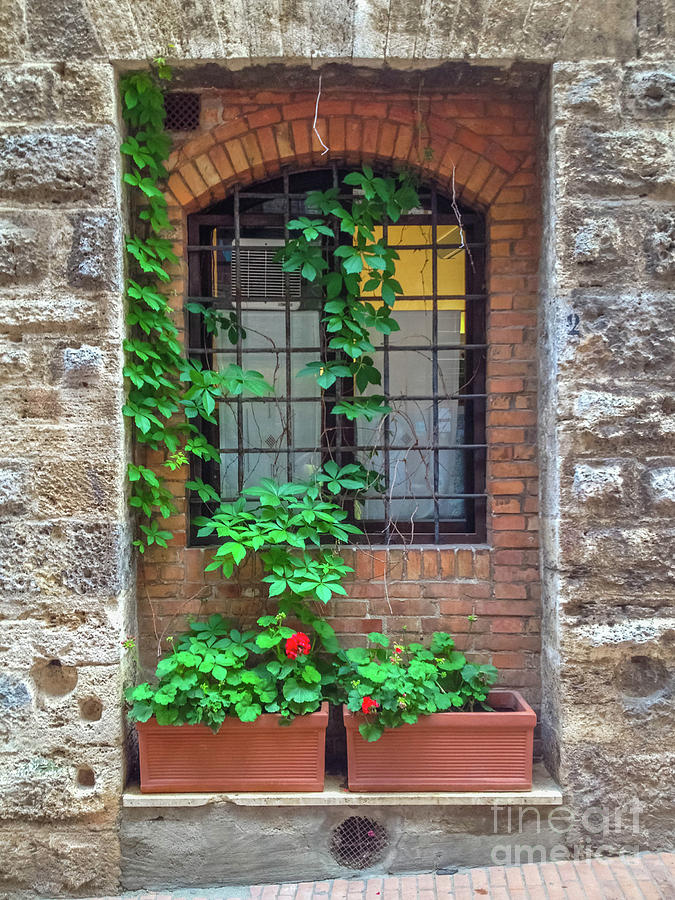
(370,732)
(248,712)
(358,655)
(292,690)
(310,674)
(266,640)
(141,712)
(376,638)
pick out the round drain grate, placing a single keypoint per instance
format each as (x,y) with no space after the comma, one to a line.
(358,842)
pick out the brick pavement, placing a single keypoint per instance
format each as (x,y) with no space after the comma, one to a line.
(648,875)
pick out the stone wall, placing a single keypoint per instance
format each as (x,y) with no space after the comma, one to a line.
(65,585)
(607,441)
(607,487)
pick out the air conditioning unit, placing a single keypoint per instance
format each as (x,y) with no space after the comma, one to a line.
(263,283)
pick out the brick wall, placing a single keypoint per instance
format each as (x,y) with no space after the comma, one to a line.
(489,142)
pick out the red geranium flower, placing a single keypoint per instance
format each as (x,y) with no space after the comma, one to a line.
(297,644)
(369,705)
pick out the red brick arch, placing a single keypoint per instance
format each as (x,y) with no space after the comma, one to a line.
(257,145)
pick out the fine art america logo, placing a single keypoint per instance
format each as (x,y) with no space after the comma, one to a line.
(562,833)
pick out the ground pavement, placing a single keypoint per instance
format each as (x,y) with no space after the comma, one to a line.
(647,875)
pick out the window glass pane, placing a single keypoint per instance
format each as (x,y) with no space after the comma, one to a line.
(264,425)
(409,510)
(411,423)
(265,328)
(227,420)
(305,465)
(272,367)
(229,468)
(410,373)
(264,465)
(451,465)
(305,328)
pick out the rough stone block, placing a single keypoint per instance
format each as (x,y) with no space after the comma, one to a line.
(660,245)
(23,249)
(96,558)
(596,237)
(60,29)
(616,163)
(15,360)
(52,861)
(82,364)
(650,94)
(12,30)
(64,785)
(601,30)
(14,491)
(95,259)
(597,602)
(86,91)
(64,313)
(597,483)
(265,844)
(45,168)
(586,89)
(66,556)
(14,693)
(74,487)
(82,635)
(87,715)
(26,93)
(624,331)
(662,489)
(619,555)
(628,808)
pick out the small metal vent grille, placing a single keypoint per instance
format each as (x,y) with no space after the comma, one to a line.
(260,275)
(182,112)
(358,842)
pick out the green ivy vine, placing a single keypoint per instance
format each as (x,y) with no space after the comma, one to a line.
(294,527)
(161,383)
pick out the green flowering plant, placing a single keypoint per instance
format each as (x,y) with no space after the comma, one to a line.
(214,671)
(394,684)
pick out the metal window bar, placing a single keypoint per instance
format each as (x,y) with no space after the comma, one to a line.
(240,349)
(386,428)
(342,443)
(288,357)
(434,361)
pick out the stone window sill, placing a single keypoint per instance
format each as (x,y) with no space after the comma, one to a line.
(545,792)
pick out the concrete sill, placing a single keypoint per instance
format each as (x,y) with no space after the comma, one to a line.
(545,792)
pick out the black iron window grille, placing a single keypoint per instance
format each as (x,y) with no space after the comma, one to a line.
(430,451)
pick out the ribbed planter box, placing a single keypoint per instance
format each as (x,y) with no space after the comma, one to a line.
(243,756)
(449,751)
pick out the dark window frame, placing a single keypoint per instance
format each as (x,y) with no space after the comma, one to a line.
(436,531)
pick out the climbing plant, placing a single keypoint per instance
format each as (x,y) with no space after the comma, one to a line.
(161,383)
(293,527)
(282,522)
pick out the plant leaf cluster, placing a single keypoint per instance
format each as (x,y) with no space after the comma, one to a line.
(409,681)
(165,391)
(364,263)
(215,671)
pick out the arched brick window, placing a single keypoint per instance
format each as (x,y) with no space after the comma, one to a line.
(430,451)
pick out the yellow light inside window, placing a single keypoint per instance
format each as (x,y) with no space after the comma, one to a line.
(414,267)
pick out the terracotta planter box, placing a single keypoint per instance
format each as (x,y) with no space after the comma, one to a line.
(243,756)
(449,751)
